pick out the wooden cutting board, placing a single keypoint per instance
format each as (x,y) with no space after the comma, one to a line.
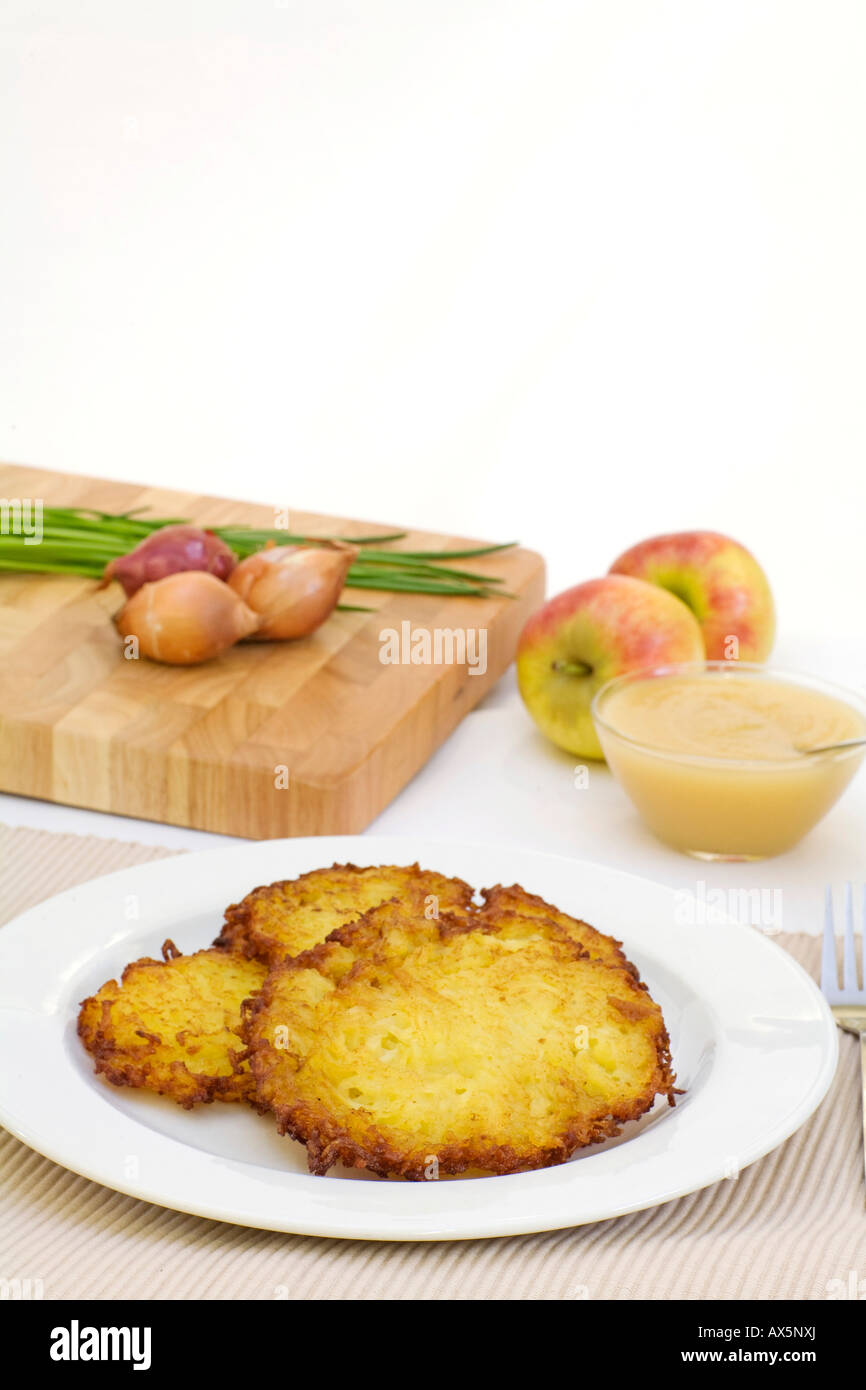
(313,737)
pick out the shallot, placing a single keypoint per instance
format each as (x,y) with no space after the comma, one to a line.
(170,550)
(185,618)
(293,588)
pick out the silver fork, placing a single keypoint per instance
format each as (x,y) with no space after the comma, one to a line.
(848,1003)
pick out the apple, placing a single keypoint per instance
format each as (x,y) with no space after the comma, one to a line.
(721,582)
(584,637)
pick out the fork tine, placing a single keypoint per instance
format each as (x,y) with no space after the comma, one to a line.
(849,963)
(829,972)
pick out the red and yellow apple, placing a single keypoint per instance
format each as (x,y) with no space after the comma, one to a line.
(584,637)
(721,582)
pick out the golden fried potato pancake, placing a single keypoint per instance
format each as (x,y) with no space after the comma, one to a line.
(283,919)
(516,900)
(170,1025)
(421,1048)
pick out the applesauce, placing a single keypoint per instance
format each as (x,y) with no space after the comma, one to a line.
(712,755)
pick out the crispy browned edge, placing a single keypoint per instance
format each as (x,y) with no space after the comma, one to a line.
(202,1089)
(327,1142)
(492,898)
(238,932)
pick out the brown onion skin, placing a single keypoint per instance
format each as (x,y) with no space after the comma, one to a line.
(186,618)
(293,588)
(170,550)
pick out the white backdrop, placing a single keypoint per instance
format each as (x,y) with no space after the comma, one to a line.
(570,272)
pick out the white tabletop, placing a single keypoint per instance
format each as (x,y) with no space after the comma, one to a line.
(562,270)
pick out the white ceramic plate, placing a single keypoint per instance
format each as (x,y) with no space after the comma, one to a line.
(753,1044)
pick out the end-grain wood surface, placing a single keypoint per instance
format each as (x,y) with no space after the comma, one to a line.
(205,746)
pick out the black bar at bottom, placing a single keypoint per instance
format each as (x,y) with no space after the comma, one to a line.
(226,1338)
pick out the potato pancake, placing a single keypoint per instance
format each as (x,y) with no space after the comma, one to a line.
(170,1025)
(516,900)
(476,1042)
(283,919)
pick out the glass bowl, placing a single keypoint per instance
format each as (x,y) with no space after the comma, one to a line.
(715,805)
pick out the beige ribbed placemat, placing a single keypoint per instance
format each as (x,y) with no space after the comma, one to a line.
(787,1227)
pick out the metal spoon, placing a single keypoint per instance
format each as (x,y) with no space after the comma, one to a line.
(835,747)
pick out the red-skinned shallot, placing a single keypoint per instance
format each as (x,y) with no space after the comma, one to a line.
(170,550)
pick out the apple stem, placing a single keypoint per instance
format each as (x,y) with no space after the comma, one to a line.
(572,668)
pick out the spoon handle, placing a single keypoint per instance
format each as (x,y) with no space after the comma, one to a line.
(836,747)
